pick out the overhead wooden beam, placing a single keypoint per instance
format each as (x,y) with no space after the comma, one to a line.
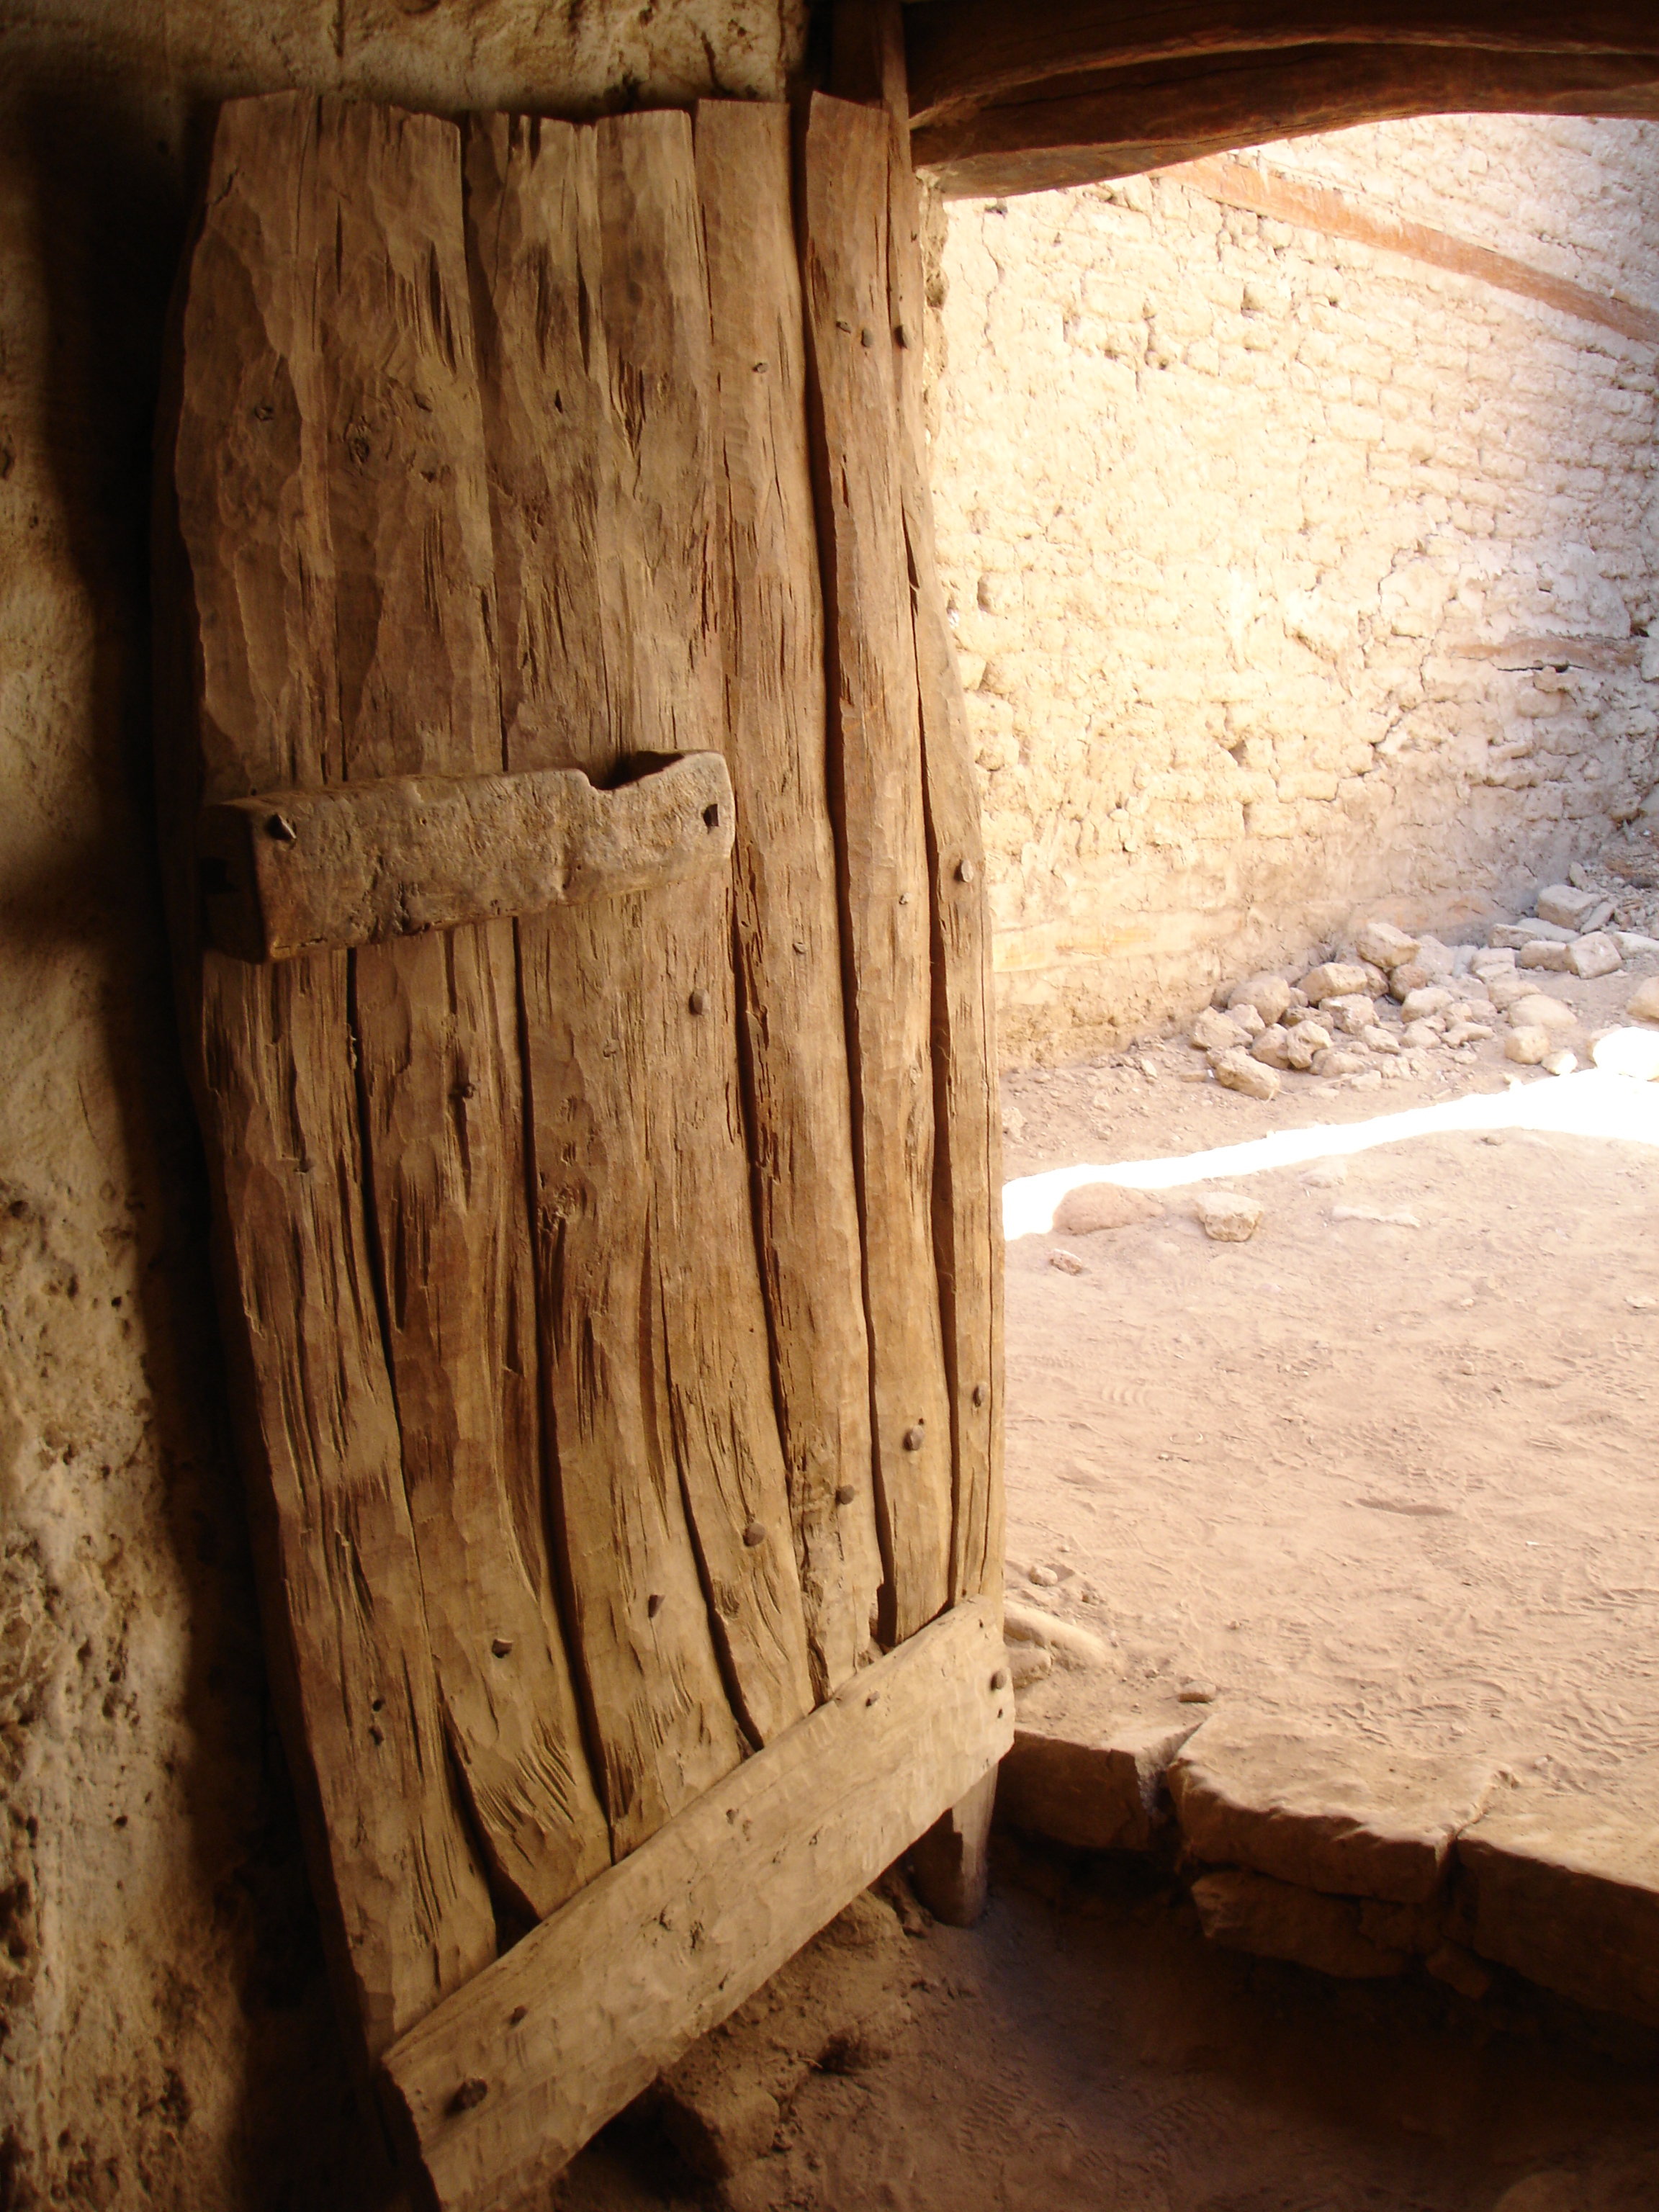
(501,2085)
(1125,121)
(295,871)
(983,50)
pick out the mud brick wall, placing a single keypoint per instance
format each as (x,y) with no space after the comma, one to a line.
(1298,516)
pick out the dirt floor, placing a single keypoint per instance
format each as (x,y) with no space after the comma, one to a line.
(1084,2050)
(1388,1466)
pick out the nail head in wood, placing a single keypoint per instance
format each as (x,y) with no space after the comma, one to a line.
(914,1438)
(754,1535)
(845,1494)
(471,2095)
(965,872)
(981,1392)
(999,1679)
(502,1646)
(698,1001)
(654,1605)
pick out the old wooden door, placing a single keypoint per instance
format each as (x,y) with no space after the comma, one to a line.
(575,880)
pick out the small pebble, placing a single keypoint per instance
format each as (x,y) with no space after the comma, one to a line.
(1067,1262)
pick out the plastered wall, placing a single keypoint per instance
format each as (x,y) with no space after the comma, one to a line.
(168,2039)
(1295,573)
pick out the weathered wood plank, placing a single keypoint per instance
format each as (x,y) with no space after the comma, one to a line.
(968,1171)
(1144,118)
(672,1484)
(434,1021)
(295,871)
(495,2093)
(656,1711)
(983,50)
(791,1013)
(405,1905)
(876,797)
(716,1373)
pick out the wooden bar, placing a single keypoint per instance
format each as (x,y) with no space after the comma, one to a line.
(790,1013)
(982,51)
(876,795)
(291,872)
(496,2091)
(1131,119)
(406,1913)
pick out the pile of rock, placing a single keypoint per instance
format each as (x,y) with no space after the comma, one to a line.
(1399,999)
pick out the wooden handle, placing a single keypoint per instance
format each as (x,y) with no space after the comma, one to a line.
(295,871)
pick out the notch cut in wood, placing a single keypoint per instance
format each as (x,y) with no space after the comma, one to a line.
(495,2091)
(291,872)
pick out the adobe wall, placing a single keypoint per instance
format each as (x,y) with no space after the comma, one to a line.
(168,2035)
(1294,573)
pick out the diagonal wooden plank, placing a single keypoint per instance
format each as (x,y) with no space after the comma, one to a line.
(876,799)
(249,699)
(793,1021)
(494,2094)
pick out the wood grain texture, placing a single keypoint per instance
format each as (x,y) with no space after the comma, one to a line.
(791,1013)
(968,1116)
(495,2093)
(877,801)
(404,1903)
(1136,118)
(295,871)
(672,1501)
(435,1020)
(982,51)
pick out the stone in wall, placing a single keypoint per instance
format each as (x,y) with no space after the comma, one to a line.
(1290,574)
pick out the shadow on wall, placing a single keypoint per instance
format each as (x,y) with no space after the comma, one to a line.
(170,2026)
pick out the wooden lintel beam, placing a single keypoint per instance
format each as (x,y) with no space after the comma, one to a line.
(968,56)
(495,2092)
(1133,121)
(296,872)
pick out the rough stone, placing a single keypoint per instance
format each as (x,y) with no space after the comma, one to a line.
(1564,1889)
(1593,956)
(1272,1047)
(1561,1062)
(1545,952)
(1069,1645)
(1529,1047)
(1093,1206)
(1301,1049)
(1507,991)
(1643,1004)
(1067,1262)
(1460,1032)
(1515,935)
(1335,1062)
(1333,979)
(1633,945)
(1237,1071)
(1226,1216)
(1537,1011)
(1354,1013)
(1377,1039)
(1417,1006)
(1028,1664)
(1215,1032)
(1249,1020)
(1268,994)
(1420,1036)
(1383,945)
(1273,1919)
(1565,905)
(1100,1791)
(1325,1811)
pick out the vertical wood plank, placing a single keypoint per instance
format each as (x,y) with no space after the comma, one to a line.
(592,311)
(770,624)
(435,1016)
(869,65)
(876,799)
(404,1903)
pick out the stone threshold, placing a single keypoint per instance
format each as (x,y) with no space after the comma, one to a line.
(1353,1860)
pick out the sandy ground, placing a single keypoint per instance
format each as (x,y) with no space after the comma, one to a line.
(1401,1480)
(1090,2052)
